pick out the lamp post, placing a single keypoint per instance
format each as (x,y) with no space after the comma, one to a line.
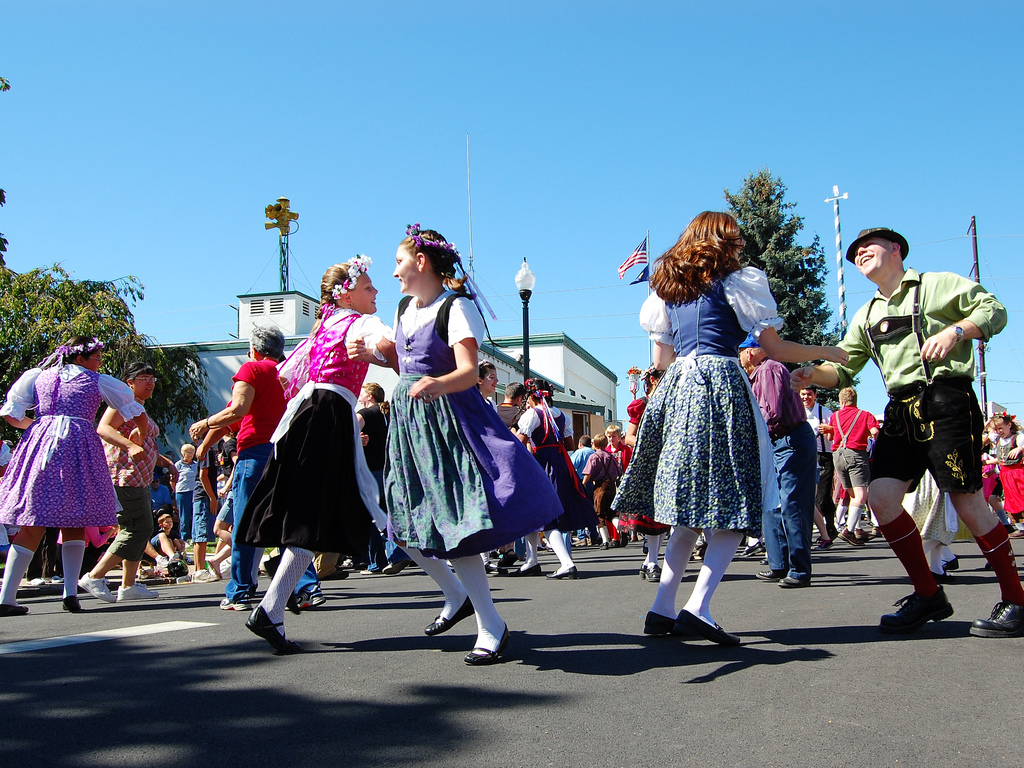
(525,281)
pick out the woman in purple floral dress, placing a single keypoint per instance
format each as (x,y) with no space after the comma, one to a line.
(58,475)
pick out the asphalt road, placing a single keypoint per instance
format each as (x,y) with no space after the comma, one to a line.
(813,683)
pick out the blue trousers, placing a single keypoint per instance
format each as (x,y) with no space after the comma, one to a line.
(248,471)
(787,530)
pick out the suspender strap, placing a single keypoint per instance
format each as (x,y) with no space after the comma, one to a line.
(846,435)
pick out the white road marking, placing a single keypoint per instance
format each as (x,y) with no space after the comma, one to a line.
(95,637)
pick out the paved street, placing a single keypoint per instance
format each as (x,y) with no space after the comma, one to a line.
(813,684)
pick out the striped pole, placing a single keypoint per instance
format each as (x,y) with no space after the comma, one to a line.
(839,256)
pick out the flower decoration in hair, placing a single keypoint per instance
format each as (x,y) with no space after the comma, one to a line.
(413,231)
(357,265)
(95,345)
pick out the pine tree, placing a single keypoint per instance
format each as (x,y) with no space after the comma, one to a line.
(796,274)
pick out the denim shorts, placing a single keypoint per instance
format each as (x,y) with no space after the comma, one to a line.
(202,521)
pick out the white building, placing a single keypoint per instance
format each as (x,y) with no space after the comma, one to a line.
(584,387)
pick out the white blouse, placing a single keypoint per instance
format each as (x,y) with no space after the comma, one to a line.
(464,320)
(530,420)
(115,393)
(748,294)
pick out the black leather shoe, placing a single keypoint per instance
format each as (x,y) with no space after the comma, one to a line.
(71,604)
(443,625)
(12,610)
(507,559)
(658,625)
(572,573)
(1007,620)
(293,604)
(771,574)
(479,657)
(687,623)
(944,578)
(916,611)
(260,624)
(533,570)
(790,583)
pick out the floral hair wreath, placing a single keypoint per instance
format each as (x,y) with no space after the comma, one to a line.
(538,388)
(413,231)
(95,345)
(1009,417)
(357,265)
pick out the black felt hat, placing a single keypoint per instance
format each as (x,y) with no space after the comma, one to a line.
(883,232)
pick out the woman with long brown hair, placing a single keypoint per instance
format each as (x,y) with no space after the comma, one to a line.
(702,459)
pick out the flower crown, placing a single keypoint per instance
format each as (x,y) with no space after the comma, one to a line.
(413,231)
(538,388)
(357,265)
(75,350)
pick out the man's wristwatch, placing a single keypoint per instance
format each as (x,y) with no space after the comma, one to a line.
(959,333)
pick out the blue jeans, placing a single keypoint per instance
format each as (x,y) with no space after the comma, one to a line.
(248,471)
(787,531)
(184,500)
(383,551)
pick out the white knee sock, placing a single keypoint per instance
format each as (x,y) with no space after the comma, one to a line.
(603,530)
(489,625)
(677,555)
(71,555)
(18,561)
(841,511)
(653,547)
(294,563)
(853,518)
(720,552)
(532,544)
(438,570)
(557,543)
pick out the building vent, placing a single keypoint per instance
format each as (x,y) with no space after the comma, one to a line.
(305,308)
(277,306)
(256,307)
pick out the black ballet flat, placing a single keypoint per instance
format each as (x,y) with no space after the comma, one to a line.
(533,570)
(443,625)
(12,610)
(686,622)
(71,604)
(572,573)
(260,624)
(659,626)
(480,657)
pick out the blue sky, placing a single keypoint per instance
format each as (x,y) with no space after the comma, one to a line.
(146,139)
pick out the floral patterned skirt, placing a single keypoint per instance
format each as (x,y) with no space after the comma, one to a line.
(697,460)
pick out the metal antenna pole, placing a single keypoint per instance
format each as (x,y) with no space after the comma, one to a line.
(839,256)
(469,197)
(283,254)
(982,375)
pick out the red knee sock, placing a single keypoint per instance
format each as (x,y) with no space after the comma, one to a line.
(905,542)
(997,550)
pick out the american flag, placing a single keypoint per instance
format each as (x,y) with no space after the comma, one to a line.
(639,256)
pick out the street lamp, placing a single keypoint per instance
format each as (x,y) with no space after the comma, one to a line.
(525,280)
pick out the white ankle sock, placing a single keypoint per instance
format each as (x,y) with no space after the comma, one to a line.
(18,561)
(294,563)
(677,555)
(71,555)
(489,625)
(720,552)
(438,570)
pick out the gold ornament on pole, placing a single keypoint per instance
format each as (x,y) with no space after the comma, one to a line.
(281,216)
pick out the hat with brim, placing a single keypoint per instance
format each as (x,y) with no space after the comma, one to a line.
(882,232)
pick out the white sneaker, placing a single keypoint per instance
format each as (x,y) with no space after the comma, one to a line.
(203,576)
(97,588)
(136,591)
(161,562)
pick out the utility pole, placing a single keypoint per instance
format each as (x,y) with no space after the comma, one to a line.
(982,375)
(839,256)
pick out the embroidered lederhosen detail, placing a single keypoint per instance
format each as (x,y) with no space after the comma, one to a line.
(905,414)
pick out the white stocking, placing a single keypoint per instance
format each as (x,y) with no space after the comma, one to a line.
(18,561)
(489,625)
(720,552)
(532,545)
(294,563)
(71,555)
(438,570)
(933,551)
(653,547)
(557,544)
(677,555)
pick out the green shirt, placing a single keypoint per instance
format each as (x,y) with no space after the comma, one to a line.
(945,299)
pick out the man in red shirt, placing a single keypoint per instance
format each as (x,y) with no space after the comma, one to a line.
(622,452)
(257,405)
(851,428)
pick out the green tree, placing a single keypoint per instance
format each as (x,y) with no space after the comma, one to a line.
(5,85)
(796,273)
(40,309)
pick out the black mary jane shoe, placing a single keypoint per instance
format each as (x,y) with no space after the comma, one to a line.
(572,573)
(293,604)
(260,624)
(687,622)
(480,657)
(533,570)
(71,604)
(443,625)
(12,610)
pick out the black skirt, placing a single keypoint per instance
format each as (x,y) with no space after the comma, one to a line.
(308,496)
